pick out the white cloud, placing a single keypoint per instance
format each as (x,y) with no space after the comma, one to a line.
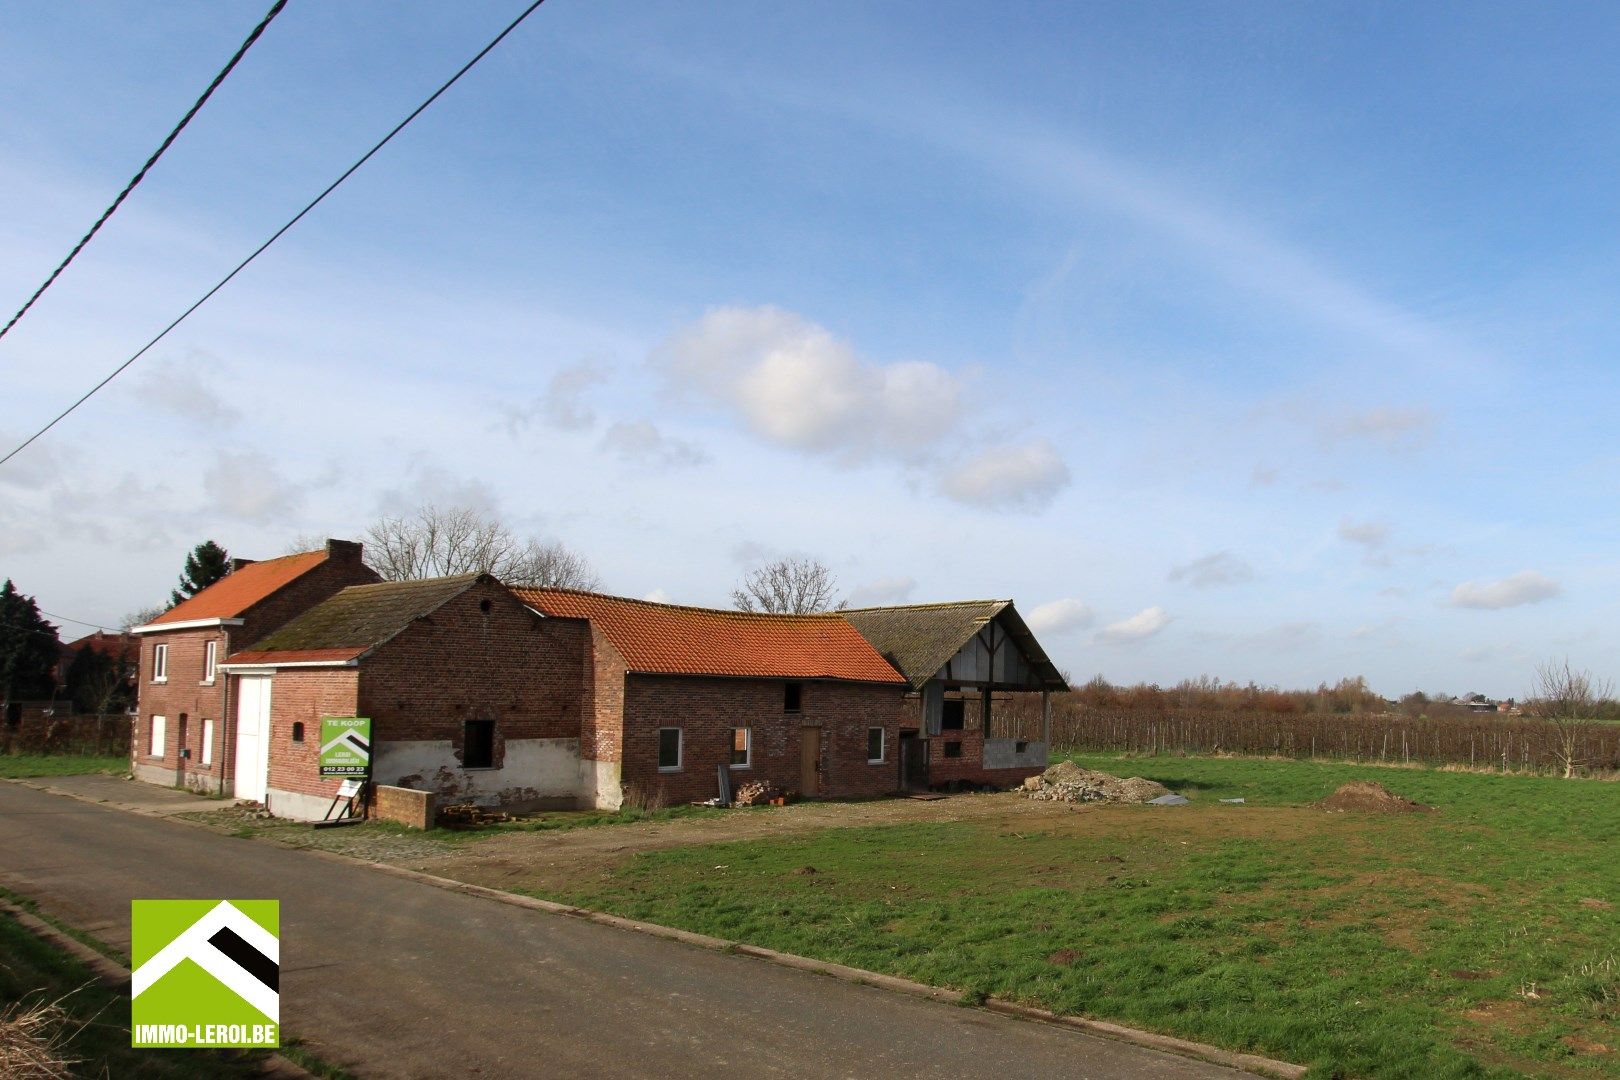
(1392,428)
(1008,477)
(1369,534)
(894,590)
(186,390)
(1060,616)
(1221,568)
(641,442)
(658,596)
(247,486)
(1144,624)
(1525,587)
(796,384)
(432,486)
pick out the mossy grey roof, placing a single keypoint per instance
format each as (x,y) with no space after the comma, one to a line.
(363,616)
(918,639)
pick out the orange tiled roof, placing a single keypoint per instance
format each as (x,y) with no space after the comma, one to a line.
(670,640)
(237,591)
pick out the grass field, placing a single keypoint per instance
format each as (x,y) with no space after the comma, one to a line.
(1481,940)
(17,766)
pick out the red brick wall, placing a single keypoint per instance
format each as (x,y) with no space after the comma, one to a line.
(708,709)
(303,696)
(462,663)
(602,723)
(969,767)
(184,694)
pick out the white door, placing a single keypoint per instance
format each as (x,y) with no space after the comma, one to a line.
(252,736)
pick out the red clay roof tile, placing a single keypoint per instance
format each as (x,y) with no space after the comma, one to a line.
(233,594)
(672,640)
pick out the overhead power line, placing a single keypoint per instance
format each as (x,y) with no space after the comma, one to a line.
(295,219)
(241,51)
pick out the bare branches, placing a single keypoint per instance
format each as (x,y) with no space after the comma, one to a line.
(791,586)
(1570,701)
(439,542)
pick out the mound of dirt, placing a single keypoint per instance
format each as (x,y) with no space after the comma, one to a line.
(1370,797)
(1068,782)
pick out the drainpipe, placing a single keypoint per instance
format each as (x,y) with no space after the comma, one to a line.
(226,728)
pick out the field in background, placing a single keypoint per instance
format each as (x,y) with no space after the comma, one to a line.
(1478,940)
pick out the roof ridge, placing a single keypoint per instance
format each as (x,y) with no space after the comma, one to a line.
(933,604)
(729,612)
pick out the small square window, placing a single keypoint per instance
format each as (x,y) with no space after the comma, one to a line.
(478,744)
(874,746)
(953,749)
(742,747)
(210,660)
(160,663)
(669,749)
(792,696)
(954,716)
(298,731)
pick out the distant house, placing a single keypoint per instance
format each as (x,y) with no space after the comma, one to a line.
(185,731)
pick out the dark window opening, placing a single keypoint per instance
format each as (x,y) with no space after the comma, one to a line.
(298,731)
(483,605)
(874,745)
(669,748)
(953,749)
(741,745)
(955,715)
(478,744)
(792,696)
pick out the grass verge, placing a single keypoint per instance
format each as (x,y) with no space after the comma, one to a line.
(23,766)
(1478,941)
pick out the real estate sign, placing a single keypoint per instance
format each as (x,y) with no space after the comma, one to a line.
(345,746)
(207,973)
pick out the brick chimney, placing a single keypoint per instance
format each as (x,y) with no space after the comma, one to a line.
(347,551)
(237,564)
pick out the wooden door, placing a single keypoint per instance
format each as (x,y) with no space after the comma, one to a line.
(810,761)
(913,762)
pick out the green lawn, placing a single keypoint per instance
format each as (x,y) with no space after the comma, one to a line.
(1482,940)
(16,766)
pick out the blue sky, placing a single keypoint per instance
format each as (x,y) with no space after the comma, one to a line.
(1267,341)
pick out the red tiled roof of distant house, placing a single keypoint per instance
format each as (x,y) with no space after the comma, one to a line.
(671,640)
(239,590)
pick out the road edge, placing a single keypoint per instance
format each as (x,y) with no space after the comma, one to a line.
(1215,1055)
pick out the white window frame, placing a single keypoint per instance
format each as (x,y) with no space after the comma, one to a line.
(748,747)
(208,742)
(160,663)
(680,749)
(883,745)
(157,736)
(210,662)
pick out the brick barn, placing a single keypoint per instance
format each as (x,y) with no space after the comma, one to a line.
(531,698)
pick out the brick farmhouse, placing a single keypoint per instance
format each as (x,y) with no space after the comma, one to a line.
(528,698)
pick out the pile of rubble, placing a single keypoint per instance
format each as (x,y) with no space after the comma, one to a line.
(1371,797)
(1068,782)
(470,816)
(758,793)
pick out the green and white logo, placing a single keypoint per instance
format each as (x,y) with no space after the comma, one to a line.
(345,746)
(207,973)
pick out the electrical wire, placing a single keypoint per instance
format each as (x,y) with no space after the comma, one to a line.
(241,51)
(296,218)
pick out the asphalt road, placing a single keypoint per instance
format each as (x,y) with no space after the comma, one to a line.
(393,978)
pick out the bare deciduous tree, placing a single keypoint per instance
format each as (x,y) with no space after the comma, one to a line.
(141,616)
(1570,701)
(438,542)
(793,586)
